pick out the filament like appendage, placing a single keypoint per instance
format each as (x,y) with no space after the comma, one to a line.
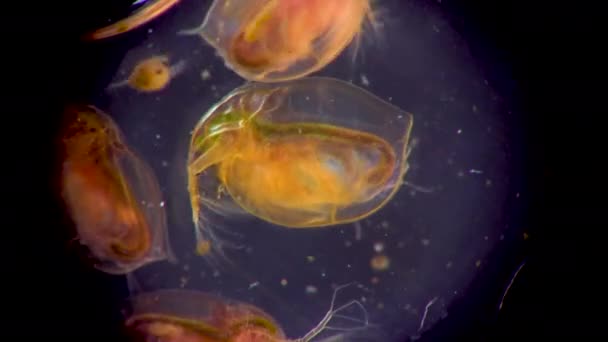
(194,197)
(118,84)
(333,313)
(177,68)
(216,255)
(191,32)
(426,190)
(205,233)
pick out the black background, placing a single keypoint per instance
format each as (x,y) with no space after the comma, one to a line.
(552,49)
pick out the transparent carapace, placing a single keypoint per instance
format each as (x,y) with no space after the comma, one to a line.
(193,316)
(280,40)
(184,315)
(111,194)
(146,13)
(307,153)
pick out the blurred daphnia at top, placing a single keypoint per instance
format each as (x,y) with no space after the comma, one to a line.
(267,40)
(280,40)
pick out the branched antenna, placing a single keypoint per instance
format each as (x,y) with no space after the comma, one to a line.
(333,313)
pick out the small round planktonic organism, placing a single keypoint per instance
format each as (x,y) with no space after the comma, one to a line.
(151,74)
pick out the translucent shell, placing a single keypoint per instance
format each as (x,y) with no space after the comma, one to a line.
(192,316)
(182,315)
(111,194)
(143,15)
(279,40)
(307,153)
